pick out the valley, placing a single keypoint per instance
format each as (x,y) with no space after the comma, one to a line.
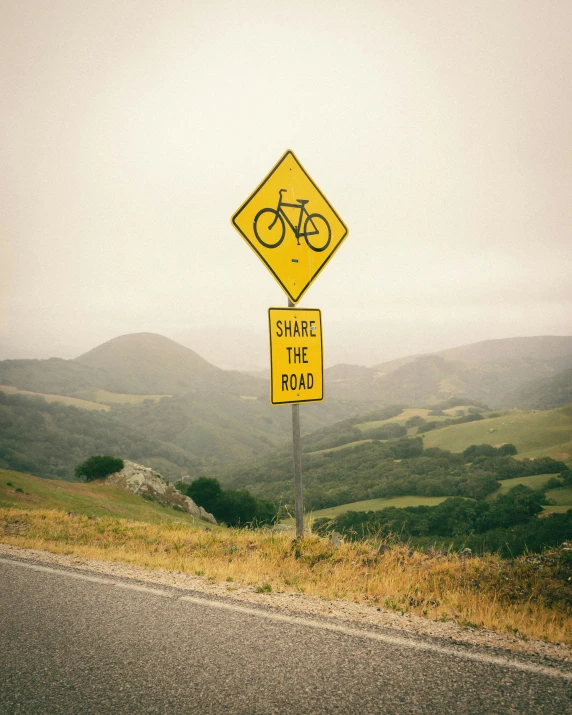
(431,475)
(148,399)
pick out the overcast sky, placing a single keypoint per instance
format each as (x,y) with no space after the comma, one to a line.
(132,131)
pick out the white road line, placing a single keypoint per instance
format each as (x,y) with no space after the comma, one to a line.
(144,589)
(413,643)
(384,638)
(95,579)
(47,569)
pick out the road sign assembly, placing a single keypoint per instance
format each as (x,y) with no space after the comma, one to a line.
(296,355)
(291,226)
(294,230)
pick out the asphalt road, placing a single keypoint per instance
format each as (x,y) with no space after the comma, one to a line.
(72,642)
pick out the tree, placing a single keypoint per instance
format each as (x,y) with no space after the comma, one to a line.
(207,493)
(98,467)
(230,506)
(507,450)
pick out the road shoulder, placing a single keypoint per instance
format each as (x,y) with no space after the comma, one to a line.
(335,611)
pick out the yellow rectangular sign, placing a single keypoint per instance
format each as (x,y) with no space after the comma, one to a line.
(296,356)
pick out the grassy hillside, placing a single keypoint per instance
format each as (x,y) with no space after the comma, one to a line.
(50,439)
(141,363)
(92,499)
(61,399)
(369,505)
(115,398)
(534,434)
(536,481)
(54,376)
(195,433)
(147,363)
(561,496)
(488,371)
(545,394)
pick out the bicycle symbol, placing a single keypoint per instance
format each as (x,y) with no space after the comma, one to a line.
(270,229)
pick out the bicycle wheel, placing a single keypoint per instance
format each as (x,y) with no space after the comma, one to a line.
(269,228)
(319,229)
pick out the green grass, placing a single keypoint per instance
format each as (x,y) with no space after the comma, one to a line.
(370,505)
(452,411)
(534,434)
(400,419)
(562,496)
(105,397)
(341,446)
(91,499)
(63,399)
(536,481)
(414,412)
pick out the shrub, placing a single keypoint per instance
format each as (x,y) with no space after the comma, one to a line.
(98,467)
(507,450)
(415,421)
(553,483)
(233,507)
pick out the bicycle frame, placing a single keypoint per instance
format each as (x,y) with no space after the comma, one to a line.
(280,210)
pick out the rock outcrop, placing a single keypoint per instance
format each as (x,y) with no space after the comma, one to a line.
(145,482)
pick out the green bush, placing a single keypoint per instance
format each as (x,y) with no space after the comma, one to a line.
(233,507)
(98,467)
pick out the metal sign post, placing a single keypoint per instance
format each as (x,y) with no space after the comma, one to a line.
(296,375)
(298,502)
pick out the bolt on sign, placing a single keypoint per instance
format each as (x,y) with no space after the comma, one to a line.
(296,356)
(291,226)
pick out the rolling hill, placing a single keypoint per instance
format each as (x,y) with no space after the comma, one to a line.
(369,456)
(491,371)
(545,394)
(146,363)
(98,498)
(140,363)
(163,405)
(534,434)
(545,348)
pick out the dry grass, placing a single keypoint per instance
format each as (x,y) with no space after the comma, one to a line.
(530,596)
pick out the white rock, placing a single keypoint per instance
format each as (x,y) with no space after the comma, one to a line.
(143,481)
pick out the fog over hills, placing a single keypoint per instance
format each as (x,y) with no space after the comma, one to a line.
(139,363)
(494,371)
(150,363)
(171,409)
(545,348)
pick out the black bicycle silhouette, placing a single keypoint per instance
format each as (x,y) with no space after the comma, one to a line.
(314,225)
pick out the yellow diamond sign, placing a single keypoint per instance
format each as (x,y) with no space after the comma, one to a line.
(291,225)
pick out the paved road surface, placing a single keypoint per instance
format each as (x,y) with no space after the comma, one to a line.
(72,642)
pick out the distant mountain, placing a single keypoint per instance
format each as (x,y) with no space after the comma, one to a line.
(140,363)
(53,376)
(545,348)
(212,416)
(228,346)
(489,371)
(147,363)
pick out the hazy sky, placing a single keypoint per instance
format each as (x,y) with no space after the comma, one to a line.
(132,131)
